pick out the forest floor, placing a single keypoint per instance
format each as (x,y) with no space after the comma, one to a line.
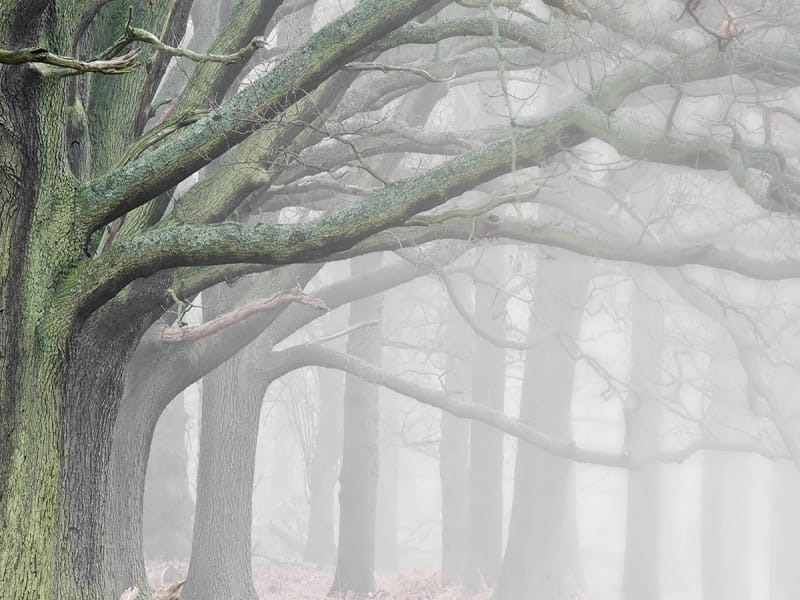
(301,582)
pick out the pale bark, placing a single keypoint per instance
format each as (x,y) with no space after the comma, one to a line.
(321,545)
(642,570)
(454,446)
(485,504)
(355,564)
(541,558)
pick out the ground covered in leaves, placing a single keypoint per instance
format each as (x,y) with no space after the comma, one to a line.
(301,582)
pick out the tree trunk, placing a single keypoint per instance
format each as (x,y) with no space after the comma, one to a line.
(60,376)
(168,506)
(454,448)
(386,515)
(321,545)
(723,539)
(541,554)
(221,566)
(355,564)
(642,572)
(485,511)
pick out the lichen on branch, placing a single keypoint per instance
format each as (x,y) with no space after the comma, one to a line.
(54,65)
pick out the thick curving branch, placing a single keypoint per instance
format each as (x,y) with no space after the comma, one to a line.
(187,245)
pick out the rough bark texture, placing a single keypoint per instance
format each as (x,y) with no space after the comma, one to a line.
(355,564)
(541,554)
(485,511)
(233,393)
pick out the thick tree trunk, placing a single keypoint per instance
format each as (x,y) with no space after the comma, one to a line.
(541,554)
(355,564)
(642,572)
(485,511)
(221,566)
(60,378)
(454,447)
(143,402)
(321,545)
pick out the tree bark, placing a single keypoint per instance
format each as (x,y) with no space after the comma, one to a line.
(723,541)
(454,447)
(355,564)
(642,571)
(485,509)
(168,506)
(386,551)
(541,554)
(321,545)
(233,393)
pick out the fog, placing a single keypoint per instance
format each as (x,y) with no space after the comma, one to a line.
(508,306)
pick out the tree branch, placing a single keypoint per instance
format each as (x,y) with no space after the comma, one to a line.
(122,190)
(297,356)
(197,332)
(67,65)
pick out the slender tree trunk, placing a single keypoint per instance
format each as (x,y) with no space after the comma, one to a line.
(386,516)
(541,554)
(642,573)
(454,447)
(485,511)
(321,545)
(724,487)
(355,564)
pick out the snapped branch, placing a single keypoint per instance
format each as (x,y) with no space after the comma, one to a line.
(197,332)
(54,65)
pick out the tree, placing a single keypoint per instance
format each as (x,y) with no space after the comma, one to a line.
(94,244)
(358,476)
(541,553)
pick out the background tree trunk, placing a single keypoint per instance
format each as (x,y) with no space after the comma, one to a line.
(725,506)
(168,506)
(642,572)
(541,554)
(355,564)
(454,445)
(321,545)
(233,393)
(485,511)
